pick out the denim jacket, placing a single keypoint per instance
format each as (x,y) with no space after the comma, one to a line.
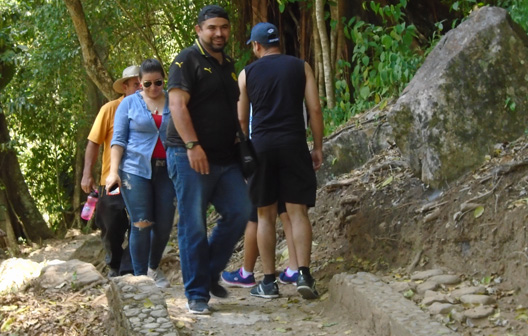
(135,130)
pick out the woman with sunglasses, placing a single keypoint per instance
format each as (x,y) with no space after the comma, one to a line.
(138,167)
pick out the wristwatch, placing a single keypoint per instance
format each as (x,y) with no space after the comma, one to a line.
(191,144)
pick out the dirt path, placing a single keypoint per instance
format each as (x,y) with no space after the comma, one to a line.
(242,314)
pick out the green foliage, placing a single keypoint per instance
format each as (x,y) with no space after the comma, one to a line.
(46,102)
(342,112)
(383,62)
(42,107)
(518,10)
(283,3)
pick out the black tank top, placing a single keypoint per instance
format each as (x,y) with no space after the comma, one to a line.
(275,86)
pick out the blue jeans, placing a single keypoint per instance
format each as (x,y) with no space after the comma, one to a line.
(224,187)
(148,200)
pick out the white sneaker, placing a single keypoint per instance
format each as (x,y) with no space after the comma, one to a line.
(159,278)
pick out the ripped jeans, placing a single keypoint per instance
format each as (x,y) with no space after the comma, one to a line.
(150,204)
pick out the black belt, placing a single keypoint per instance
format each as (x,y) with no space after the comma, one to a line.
(159,162)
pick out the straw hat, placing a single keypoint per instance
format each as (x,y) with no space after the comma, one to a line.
(130,72)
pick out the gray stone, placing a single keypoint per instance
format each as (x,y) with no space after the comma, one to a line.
(428,285)
(457,293)
(446,279)
(131,312)
(477,299)
(381,308)
(479,312)
(72,273)
(453,111)
(152,325)
(141,296)
(423,275)
(458,316)
(138,319)
(400,286)
(431,297)
(352,147)
(159,313)
(24,269)
(440,308)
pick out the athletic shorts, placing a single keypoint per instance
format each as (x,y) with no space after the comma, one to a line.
(281,207)
(284,174)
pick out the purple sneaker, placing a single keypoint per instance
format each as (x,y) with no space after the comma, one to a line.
(284,279)
(235,279)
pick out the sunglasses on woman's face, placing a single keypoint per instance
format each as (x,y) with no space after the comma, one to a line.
(147,84)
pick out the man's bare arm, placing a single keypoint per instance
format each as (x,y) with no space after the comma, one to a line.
(90,157)
(243,103)
(316,116)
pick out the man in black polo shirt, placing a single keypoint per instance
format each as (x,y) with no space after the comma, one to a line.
(203,94)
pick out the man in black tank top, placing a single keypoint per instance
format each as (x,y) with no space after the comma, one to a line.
(276,85)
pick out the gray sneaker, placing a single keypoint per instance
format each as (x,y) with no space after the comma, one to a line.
(159,277)
(269,291)
(199,307)
(112,273)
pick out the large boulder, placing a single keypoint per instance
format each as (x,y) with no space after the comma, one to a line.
(353,146)
(470,93)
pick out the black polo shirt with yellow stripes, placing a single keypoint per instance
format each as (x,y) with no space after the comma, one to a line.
(214,94)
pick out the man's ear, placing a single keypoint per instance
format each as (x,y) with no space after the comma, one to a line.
(197,28)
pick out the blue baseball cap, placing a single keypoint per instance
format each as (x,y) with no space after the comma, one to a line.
(264,33)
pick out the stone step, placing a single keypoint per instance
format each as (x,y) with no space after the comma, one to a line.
(385,311)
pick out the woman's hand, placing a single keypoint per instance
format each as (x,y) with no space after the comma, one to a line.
(112,180)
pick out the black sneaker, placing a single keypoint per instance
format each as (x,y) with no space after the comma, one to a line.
(269,291)
(218,290)
(306,287)
(198,307)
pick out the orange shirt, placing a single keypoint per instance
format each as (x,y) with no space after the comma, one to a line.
(102,132)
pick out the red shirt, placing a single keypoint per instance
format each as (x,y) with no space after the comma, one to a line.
(159,151)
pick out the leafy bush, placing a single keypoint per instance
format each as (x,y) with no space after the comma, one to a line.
(383,62)
(384,59)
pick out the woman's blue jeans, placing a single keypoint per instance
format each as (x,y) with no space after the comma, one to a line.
(203,259)
(153,201)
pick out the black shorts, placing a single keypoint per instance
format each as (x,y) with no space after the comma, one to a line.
(281,207)
(284,174)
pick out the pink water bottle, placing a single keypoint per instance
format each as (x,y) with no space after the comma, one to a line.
(89,206)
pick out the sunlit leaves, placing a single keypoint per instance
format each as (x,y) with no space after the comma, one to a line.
(384,60)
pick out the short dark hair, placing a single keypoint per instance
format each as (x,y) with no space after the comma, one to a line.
(151,65)
(211,11)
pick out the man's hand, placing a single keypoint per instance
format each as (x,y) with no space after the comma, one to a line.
(198,160)
(88,183)
(317,158)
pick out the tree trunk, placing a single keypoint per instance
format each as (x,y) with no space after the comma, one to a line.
(259,11)
(7,236)
(92,63)
(318,69)
(325,48)
(18,197)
